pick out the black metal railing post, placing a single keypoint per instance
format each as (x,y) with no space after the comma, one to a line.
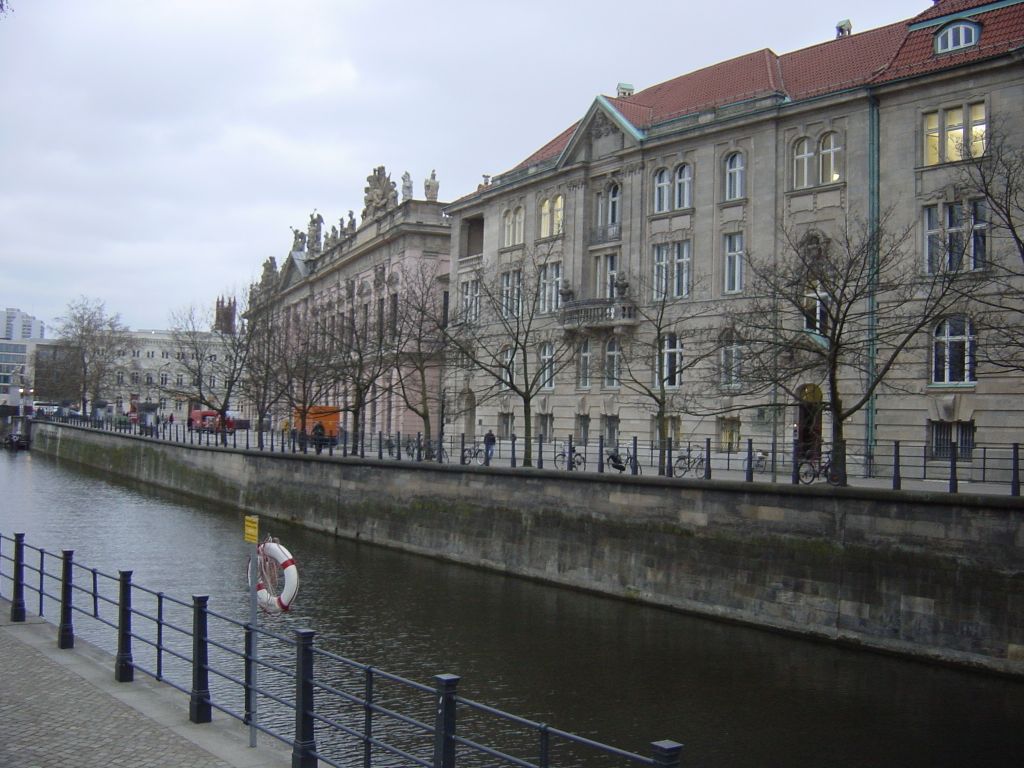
(66,629)
(667,471)
(600,454)
(954,481)
(398,445)
(124,667)
(795,474)
(570,454)
(445,687)
(635,469)
(304,744)
(897,473)
(18,596)
(665,754)
(419,446)
(462,449)
(380,445)
(707,458)
(748,474)
(368,719)
(1015,470)
(250,663)
(513,464)
(199,708)
(540,450)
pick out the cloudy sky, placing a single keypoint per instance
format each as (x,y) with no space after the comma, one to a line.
(153,153)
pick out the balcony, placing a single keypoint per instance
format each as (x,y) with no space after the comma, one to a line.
(606,233)
(598,313)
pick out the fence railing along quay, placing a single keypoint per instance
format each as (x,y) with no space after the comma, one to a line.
(328,708)
(885,464)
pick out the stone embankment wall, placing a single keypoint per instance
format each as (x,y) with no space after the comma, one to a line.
(929,575)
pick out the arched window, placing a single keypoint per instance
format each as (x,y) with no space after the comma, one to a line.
(613,204)
(662,190)
(961,34)
(684,186)
(545,218)
(520,217)
(507,230)
(803,163)
(558,215)
(830,154)
(954,351)
(547,365)
(735,181)
(612,363)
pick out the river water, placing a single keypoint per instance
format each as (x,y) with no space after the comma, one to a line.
(611,670)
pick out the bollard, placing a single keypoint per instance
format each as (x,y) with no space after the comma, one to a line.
(124,668)
(66,629)
(897,477)
(665,754)
(199,709)
(444,722)
(18,598)
(954,481)
(304,745)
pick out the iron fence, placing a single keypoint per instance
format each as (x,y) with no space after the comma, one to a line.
(328,708)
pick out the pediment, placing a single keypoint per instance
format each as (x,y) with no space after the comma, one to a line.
(294,270)
(602,132)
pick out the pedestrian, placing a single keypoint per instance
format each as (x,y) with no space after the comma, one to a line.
(170,419)
(489,441)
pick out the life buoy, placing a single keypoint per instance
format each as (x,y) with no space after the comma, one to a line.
(267,600)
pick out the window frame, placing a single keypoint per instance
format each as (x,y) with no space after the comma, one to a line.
(803,163)
(546,354)
(832,153)
(662,186)
(735,176)
(511,293)
(550,280)
(939,129)
(612,364)
(683,188)
(732,262)
(959,353)
(957,242)
(731,360)
(670,368)
(944,38)
(583,363)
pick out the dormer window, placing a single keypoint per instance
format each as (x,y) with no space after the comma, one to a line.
(962,34)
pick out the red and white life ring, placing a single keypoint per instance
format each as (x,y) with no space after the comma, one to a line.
(268,601)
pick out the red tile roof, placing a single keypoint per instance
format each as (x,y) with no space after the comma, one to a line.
(876,56)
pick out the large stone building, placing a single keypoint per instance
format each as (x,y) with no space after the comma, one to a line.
(635,239)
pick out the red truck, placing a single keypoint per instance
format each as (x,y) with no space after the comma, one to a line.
(209,421)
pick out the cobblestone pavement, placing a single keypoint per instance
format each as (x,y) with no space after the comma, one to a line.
(63,708)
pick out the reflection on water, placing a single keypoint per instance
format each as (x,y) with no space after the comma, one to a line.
(611,670)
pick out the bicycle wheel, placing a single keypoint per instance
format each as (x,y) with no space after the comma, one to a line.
(579,461)
(697,465)
(680,467)
(807,473)
(832,475)
(467,455)
(633,463)
(560,460)
(761,464)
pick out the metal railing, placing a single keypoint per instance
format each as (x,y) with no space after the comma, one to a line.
(751,460)
(329,708)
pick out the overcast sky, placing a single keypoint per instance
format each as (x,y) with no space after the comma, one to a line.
(153,153)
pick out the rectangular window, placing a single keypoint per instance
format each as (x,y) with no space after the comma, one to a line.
(942,435)
(582,431)
(952,241)
(511,293)
(734,262)
(506,425)
(607,274)
(671,368)
(550,278)
(954,133)
(584,363)
(610,428)
(672,270)
(470,290)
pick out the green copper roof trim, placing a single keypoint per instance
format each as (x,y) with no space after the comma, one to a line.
(627,126)
(939,21)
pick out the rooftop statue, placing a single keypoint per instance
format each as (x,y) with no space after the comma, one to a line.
(381,193)
(430,187)
(406,186)
(299,240)
(316,221)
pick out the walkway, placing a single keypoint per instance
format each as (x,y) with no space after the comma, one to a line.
(63,708)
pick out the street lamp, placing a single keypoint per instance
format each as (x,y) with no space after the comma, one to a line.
(21,399)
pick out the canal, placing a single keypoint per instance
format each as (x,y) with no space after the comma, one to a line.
(614,671)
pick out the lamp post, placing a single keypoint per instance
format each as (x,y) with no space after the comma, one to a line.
(22,391)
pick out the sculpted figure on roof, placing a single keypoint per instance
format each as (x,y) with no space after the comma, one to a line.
(316,221)
(381,193)
(298,240)
(406,186)
(430,187)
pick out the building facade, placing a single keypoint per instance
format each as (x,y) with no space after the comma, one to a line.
(653,224)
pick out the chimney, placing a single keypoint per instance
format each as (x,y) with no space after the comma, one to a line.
(623,90)
(844,28)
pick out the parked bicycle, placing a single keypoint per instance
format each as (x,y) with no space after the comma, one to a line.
(473,453)
(579,461)
(810,470)
(617,461)
(688,462)
(760,461)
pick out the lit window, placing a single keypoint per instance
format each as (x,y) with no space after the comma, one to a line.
(961,34)
(803,160)
(684,187)
(829,159)
(949,137)
(734,262)
(662,190)
(558,215)
(545,218)
(954,351)
(735,181)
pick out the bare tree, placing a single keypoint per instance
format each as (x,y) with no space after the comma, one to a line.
(510,331)
(100,342)
(261,386)
(213,355)
(992,183)
(841,310)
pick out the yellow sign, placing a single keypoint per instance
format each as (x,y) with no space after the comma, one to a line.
(252,529)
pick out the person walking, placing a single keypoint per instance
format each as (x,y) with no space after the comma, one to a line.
(489,441)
